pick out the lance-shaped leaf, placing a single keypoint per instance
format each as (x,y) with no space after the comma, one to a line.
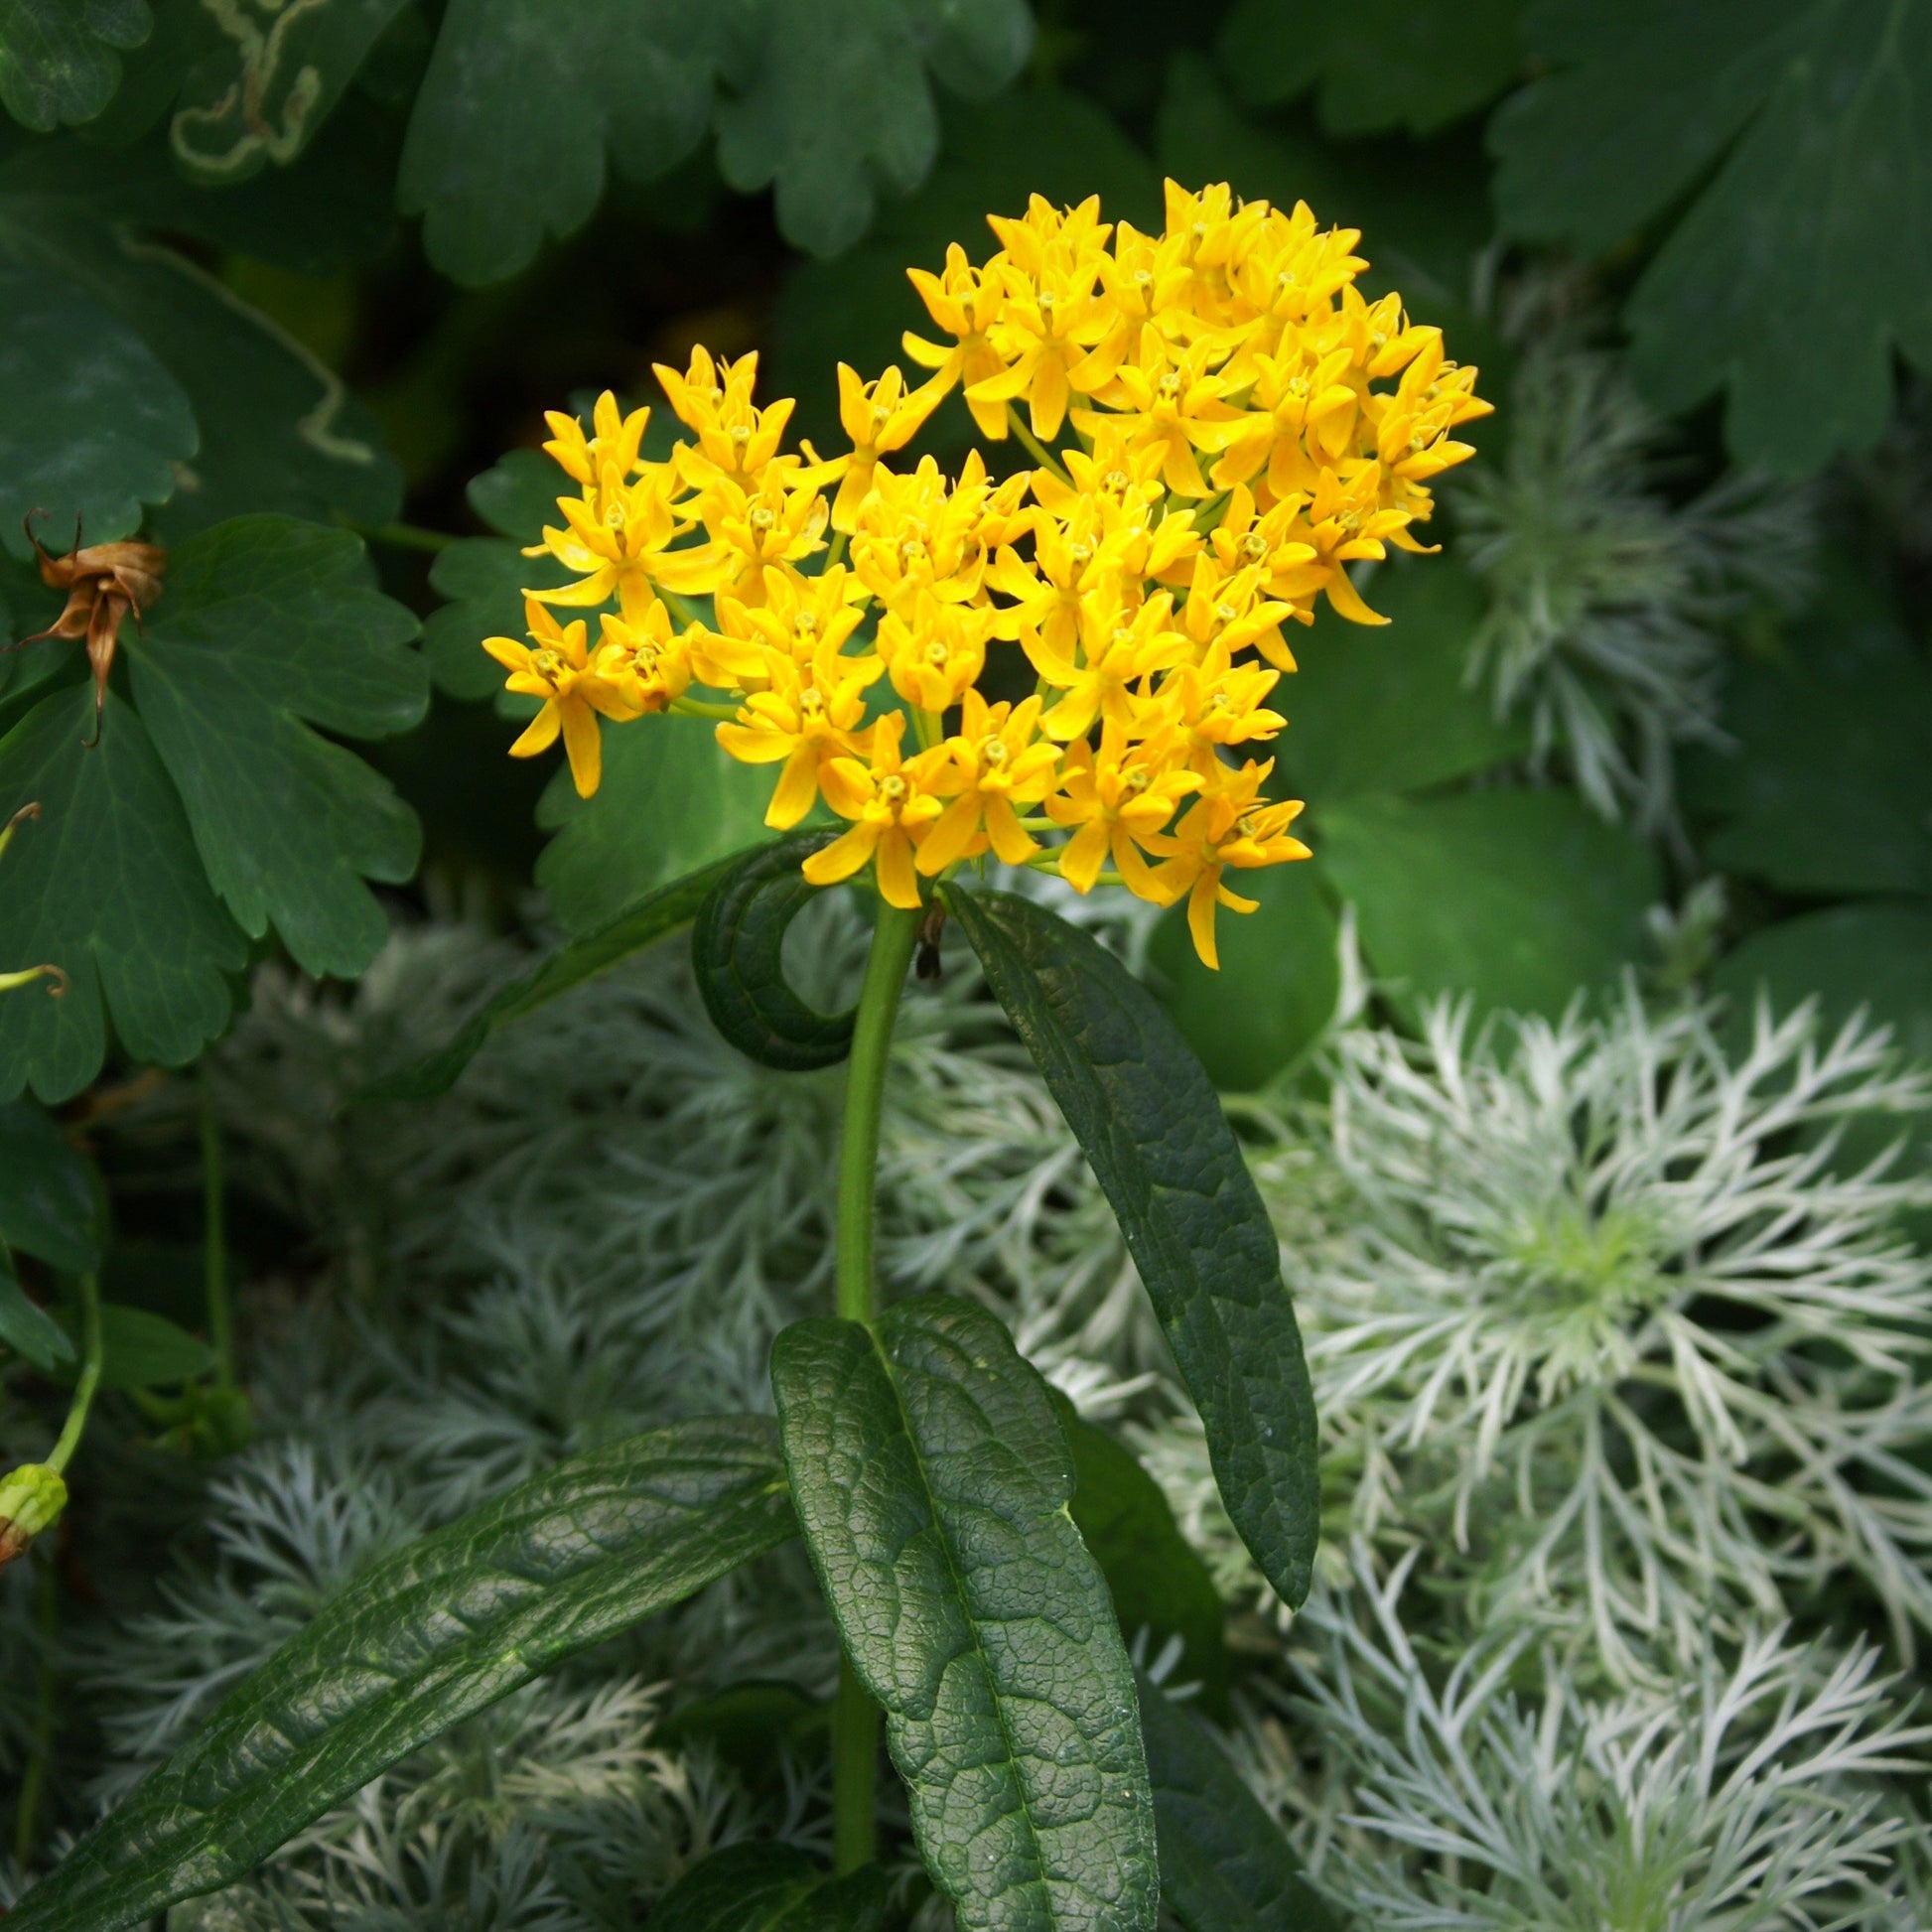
(1225,1866)
(737,949)
(931,1480)
(421,1642)
(656,914)
(771,1888)
(267,628)
(1145,1111)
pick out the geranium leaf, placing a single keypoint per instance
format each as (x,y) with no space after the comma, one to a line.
(840,100)
(639,926)
(1853,696)
(626,80)
(1151,1125)
(46,1195)
(1225,1866)
(264,95)
(90,419)
(60,59)
(421,1642)
(931,1480)
(670,802)
(771,1888)
(274,430)
(1798,142)
(738,951)
(267,628)
(1412,64)
(1530,896)
(110,888)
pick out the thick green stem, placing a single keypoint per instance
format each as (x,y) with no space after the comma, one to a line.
(854,1718)
(893,940)
(214,1240)
(1038,449)
(83,1391)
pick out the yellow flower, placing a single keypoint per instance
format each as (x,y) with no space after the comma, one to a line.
(616,538)
(995,761)
(964,302)
(1117,649)
(1171,403)
(919,535)
(555,667)
(612,449)
(804,619)
(1219,703)
(1048,322)
(936,652)
(1230,826)
(878,418)
(640,657)
(811,714)
(780,522)
(892,806)
(1119,798)
(738,442)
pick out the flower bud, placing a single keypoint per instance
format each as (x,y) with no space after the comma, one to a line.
(32,1498)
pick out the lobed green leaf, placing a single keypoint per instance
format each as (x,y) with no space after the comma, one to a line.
(931,1480)
(421,1641)
(1151,1125)
(738,952)
(60,59)
(267,628)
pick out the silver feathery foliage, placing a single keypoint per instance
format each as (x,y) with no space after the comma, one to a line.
(1608,603)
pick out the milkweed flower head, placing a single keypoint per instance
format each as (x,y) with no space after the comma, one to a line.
(1221,424)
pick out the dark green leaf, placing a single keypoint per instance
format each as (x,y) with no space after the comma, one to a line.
(1158,1582)
(89,420)
(839,102)
(1390,709)
(1382,63)
(59,59)
(670,802)
(108,886)
(1424,211)
(1516,898)
(511,80)
(770,1888)
(1795,134)
(265,93)
(738,951)
(1875,955)
(1276,989)
(277,429)
(748,1725)
(1225,1866)
(931,1480)
(267,628)
(657,914)
(1151,1123)
(46,1195)
(1829,787)
(27,1329)
(141,1350)
(421,1641)
(1046,141)
(483,579)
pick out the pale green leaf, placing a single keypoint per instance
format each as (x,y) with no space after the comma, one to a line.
(60,59)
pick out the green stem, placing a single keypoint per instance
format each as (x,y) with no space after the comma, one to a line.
(854,1718)
(83,1391)
(404,536)
(214,1239)
(34,1780)
(1038,449)
(698,708)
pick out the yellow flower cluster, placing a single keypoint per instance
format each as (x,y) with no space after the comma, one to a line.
(1240,426)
